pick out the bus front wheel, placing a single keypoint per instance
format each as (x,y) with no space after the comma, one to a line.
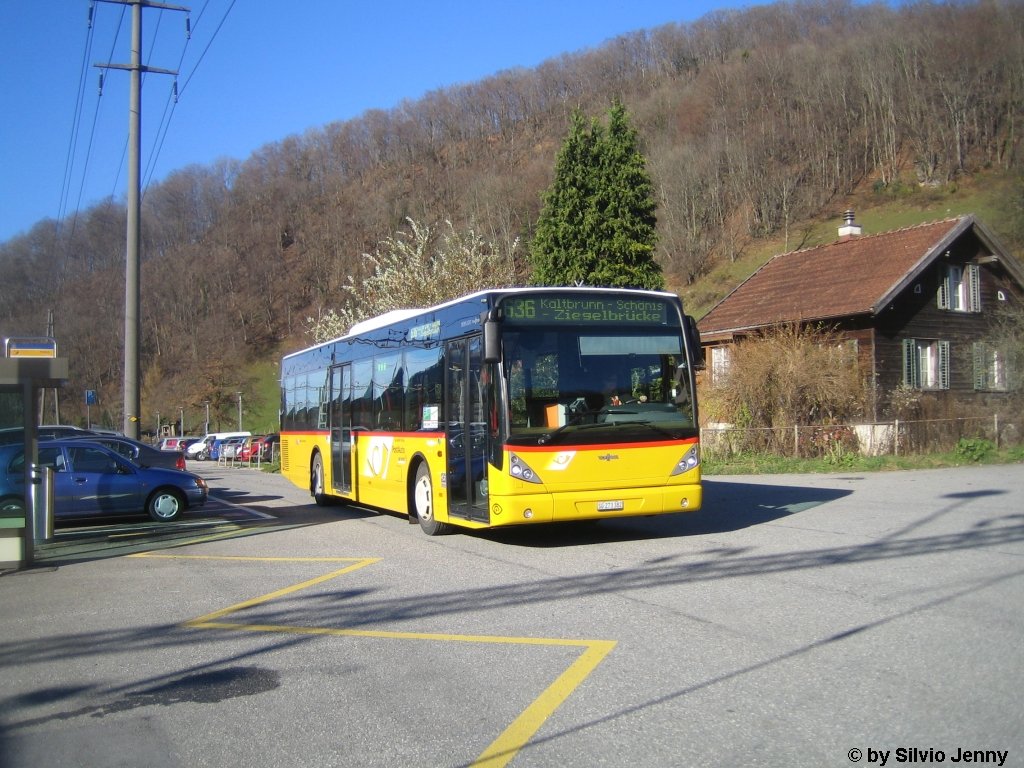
(423,503)
(316,482)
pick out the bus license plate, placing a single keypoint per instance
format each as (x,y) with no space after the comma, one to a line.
(610,506)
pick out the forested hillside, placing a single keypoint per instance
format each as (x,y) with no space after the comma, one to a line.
(752,122)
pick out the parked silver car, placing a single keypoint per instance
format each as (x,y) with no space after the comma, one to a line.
(229,448)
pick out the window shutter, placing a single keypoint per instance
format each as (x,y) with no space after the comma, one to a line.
(943,347)
(974,288)
(980,365)
(944,291)
(910,363)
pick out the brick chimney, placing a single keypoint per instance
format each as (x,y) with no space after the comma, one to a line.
(850,228)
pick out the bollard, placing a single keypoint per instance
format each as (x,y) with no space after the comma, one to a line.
(41,503)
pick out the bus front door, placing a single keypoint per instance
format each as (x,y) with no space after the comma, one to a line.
(341,429)
(466,431)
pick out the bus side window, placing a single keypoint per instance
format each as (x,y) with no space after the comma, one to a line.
(422,392)
(362,389)
(387,391)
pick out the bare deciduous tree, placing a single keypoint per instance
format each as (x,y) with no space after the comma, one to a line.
(419,268)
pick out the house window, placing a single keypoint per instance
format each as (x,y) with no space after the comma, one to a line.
(926,363)
(960,289)
(721,358)
(990,368)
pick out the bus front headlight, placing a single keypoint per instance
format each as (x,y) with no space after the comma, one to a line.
(520,470)
(689,461)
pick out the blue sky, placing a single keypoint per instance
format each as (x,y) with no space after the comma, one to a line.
(253,73)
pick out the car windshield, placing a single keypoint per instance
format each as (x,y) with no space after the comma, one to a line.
(562,382)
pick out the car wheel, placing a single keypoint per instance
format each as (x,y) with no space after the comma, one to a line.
(423,503)
(165,505)
(12,506)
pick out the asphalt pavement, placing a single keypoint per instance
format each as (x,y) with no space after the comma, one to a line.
(796,620)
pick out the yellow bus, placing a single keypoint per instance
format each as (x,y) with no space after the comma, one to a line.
(504,407)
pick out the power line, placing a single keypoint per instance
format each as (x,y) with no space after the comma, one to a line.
(133,261)
(92,23)
(213,37)
(75,158)
(165,119)
(75,120)
(176,92)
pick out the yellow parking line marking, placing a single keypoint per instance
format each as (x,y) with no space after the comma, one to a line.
(391,635)
(509,742)
(356,565)
(518,734)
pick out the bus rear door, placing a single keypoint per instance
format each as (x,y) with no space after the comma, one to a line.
(341,429)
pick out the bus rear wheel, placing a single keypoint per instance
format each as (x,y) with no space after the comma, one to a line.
(423,503)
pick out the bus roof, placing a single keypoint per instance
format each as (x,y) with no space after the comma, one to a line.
(373,323)
(398,315)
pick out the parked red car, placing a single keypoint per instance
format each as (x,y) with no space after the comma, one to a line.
(173,444)
(270,446)
(250,449)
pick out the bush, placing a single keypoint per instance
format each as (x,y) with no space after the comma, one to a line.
(974,449)
(790,376)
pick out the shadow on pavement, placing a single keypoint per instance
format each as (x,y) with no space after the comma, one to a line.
(727,506)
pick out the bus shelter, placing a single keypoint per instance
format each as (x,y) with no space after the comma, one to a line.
(22,376)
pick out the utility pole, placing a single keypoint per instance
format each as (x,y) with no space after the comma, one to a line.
(132,402)
(42,392)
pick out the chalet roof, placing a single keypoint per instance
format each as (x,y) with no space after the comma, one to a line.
(853,276)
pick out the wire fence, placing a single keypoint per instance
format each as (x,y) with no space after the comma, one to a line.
(894,438)
(255,459)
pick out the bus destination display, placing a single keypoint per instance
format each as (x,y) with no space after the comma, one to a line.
(584,309)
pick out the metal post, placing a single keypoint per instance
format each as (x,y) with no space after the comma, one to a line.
(207,429)
(181,411)
(157,433)
(41,506)
(132,405)
(239,411)
(131,283)
(30,422)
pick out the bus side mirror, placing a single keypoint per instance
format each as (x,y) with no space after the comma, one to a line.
(492,337)
(693,341)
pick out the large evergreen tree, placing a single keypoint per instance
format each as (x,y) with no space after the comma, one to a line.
(597,226)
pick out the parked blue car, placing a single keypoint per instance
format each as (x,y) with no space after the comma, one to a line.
(90,480)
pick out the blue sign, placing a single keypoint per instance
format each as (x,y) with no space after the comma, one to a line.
(90,397)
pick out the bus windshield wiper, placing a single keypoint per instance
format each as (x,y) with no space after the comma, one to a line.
(652,425)
(547,438)
(573,422)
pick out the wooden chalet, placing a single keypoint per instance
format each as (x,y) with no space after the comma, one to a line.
(919,303)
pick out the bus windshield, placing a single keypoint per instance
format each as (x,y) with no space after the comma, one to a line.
(565,380)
